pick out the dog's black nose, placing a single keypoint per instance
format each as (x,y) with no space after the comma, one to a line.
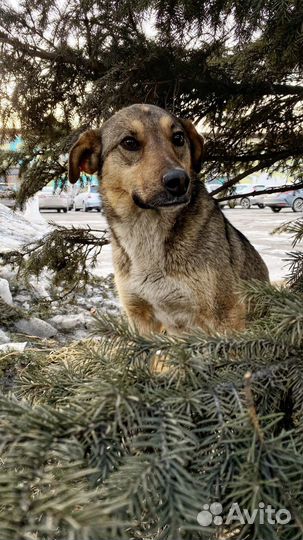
(176,182)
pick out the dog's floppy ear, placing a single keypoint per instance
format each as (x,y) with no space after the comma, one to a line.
(196,143)
(85,155)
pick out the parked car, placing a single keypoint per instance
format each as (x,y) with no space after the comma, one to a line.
(50,199)
(7,195)
(247,202)
(287,199)
(88,199)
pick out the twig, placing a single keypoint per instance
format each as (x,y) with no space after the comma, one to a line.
(251,406)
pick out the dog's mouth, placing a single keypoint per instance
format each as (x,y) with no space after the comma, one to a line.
(178,202)
(161,202)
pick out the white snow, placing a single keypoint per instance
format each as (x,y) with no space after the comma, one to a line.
(71,316)
(4,338)
(67,322)
(15,230)
(5,292)
(13,346)
(32,212)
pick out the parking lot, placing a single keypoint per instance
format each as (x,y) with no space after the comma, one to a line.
(257,224)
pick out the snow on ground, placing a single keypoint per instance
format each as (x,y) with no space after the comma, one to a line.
(258,225)
(39,313)
(15,230)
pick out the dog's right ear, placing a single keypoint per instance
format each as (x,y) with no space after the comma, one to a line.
(85,155)
(196,143)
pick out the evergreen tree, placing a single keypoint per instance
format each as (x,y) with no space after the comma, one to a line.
(235,66)
(129,437)
(122,436)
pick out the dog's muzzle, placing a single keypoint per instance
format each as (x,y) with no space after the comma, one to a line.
(175,193)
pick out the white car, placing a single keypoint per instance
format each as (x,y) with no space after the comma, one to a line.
(244,201)
(54,200)
(287,199)
(88,199)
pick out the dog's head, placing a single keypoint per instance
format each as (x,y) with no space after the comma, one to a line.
(145,156)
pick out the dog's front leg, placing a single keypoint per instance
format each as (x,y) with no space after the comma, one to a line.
(141,317)
(140,314)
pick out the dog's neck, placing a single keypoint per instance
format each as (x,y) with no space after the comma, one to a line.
(143,233)
(147,235)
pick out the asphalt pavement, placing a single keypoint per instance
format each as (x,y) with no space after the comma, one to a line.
(257,224)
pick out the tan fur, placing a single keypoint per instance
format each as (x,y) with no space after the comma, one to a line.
(176,268)
(137,127)
(166,123)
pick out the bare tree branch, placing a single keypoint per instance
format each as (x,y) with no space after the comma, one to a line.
(281,189)
(65,55)
(242,175)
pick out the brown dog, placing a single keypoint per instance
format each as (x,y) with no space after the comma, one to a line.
(177,258)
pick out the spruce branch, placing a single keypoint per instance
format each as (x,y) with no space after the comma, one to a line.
(295,228)
(68,253)
(9,314)
(137,455)
(295,277)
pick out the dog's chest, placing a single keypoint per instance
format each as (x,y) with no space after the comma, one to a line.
(151,278)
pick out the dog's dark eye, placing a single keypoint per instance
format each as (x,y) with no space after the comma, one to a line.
(130,143)
(178,138)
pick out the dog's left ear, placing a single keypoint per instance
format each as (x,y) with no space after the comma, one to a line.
(196,143)
(85,155)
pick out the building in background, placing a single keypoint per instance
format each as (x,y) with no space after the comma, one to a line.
(12,176)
